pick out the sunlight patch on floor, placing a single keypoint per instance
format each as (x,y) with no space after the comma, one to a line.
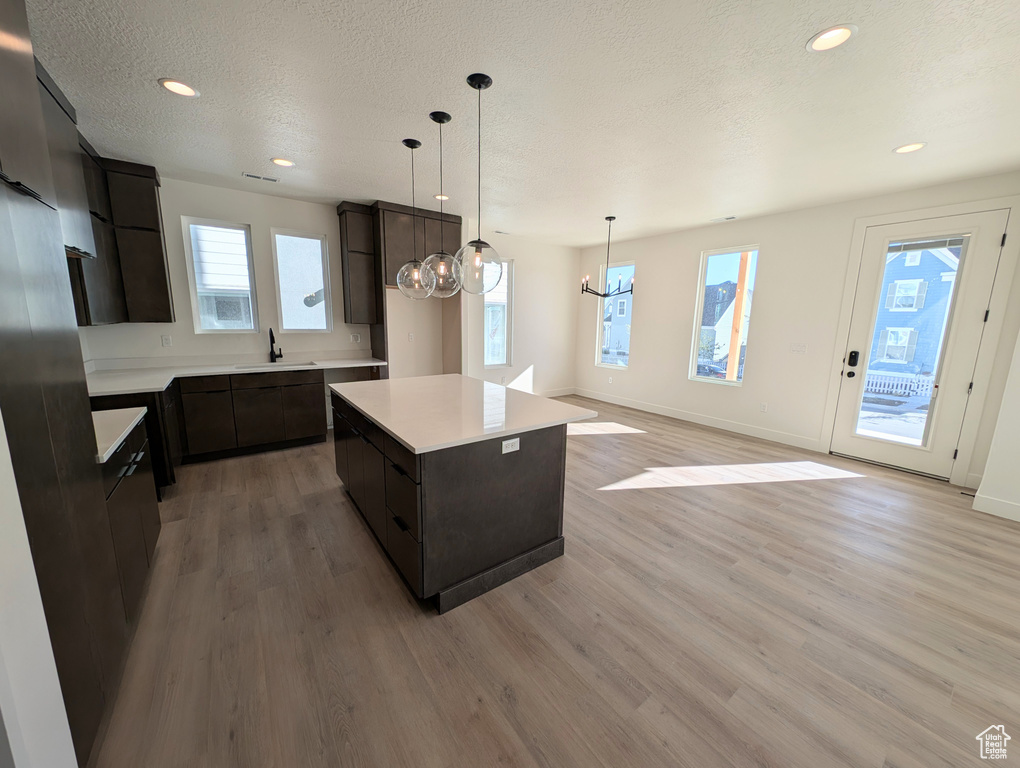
(729,474)
(602,428)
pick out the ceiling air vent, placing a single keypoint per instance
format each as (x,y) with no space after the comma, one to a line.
(255,176)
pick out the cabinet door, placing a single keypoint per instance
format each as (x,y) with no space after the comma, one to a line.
(356,447)
(398,241)
(104,285)
(304,411)
(172,422)
(445,234)
(340,430)
(258,416)
(146,278)
(356,232)
(68,178)
(81,315)
(143,490)
(24,157)
(96,190)
(129,540)
(134,201)
(208,421)
(374,507)
(361,305)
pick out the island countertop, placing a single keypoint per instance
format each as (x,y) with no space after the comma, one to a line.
(112,427)
(429,413)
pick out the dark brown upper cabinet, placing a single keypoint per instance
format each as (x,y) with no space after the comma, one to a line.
(442,235)
(362,278)
(24,156)
(68,174)
(134,199)
(399,236)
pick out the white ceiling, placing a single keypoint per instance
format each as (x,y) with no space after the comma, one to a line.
(666,113)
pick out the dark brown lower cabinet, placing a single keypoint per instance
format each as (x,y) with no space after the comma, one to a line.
(374,489)
(259,416)
(208,421)
(304,410)
(340,432)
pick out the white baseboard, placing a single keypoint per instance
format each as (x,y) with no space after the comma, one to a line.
(558,392)
(998,507)
(774,435)
(973,480)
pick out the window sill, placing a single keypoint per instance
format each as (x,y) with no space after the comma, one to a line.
(612,367)
(712,380)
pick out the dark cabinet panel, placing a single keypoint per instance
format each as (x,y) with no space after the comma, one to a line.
(340,433)
(172,422)
(258,416)
(124,508)
(148,507)
(97,192)
(209,421)
(68,177)
(81,315)
(361,299)
(402,236)
(439,235)
(105,302)
(356,231)
(403,499)
(304,411)
(219,383)
(24,156)
(134,201)
(356,448)
(275,379)
(146,278)
(406,554)
(373,503)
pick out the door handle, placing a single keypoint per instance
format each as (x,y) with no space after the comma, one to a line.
(853,359)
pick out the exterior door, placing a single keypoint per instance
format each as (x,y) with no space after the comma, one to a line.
(919,312)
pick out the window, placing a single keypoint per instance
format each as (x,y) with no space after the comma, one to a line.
(302,281)
(912,259)
(897,345)
(905,295)
(499,319)
(222,276)
(614,318)
(724,314)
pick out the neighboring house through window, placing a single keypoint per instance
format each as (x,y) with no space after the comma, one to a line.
(724,314)
(221,275)
(897,345)
(906,295)
(498,311)
(615,317)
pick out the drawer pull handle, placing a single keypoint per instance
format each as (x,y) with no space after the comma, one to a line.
(401,524)
(131,470)
(400,471)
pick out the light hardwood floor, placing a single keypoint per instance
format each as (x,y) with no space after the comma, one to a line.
(871,621)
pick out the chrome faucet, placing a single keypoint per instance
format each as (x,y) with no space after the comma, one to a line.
(274,354)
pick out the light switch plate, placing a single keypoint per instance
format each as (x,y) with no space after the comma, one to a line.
(410,337)
(356,338)
(514,444)
(167,341)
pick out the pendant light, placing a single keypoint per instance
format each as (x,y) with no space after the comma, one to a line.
(412,280)
(480,267)
(585,288)
(441,263)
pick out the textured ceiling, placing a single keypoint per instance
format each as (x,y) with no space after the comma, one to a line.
(666,113)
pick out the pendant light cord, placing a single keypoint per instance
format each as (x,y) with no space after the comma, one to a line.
(480,163)
(414,211)
(609,240)
(442,229)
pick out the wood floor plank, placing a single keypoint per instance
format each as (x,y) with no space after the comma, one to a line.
(865,621)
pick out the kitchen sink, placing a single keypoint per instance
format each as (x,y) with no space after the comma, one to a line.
(273,365)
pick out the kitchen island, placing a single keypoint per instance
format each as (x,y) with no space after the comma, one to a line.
(460,480)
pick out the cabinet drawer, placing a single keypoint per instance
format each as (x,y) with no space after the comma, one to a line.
(403,498)
(406,554)
(403,458)
(275,379)
(205,383)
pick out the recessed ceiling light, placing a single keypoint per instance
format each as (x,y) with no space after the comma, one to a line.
(828,39)
(283,163)
(176,86)
(442,197)
(907,148)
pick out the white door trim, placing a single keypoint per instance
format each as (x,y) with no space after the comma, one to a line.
(989,340)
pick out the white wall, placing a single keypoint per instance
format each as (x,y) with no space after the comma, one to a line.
(545,293)
(999,492)
(31,706)
(414,335)
(140,341)
(801,276)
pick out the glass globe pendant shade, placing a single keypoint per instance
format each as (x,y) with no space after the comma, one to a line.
(443,267)
(414,281)
(479,267)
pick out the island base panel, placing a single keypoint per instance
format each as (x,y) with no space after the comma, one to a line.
(472,587)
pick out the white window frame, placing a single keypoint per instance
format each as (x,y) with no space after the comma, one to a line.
(621,307)
(916,282)
(328,297)
(905,345)
(196,317)
(600,308)
(508,270)
(692,373)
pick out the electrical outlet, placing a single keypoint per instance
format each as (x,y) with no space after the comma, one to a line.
(610,379)
(502,379)
(356,338)
(410,337)
(509,446)
(798,349)
(167,341)
(764,407)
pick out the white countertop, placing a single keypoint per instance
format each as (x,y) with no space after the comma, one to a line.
(429,413)
(130,380)
(112,427)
